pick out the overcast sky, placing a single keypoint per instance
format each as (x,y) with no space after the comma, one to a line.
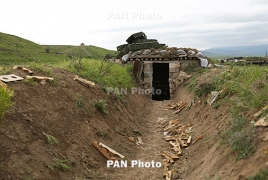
(198,24)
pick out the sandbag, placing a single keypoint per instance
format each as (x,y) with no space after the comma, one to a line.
(126,56)
(203,62)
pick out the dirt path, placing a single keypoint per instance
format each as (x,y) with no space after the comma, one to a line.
(154,144)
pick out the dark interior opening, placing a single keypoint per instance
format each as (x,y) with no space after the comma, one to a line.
(160,82)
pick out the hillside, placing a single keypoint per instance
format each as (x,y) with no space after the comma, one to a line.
(14,49)
(232,51)
(81,51)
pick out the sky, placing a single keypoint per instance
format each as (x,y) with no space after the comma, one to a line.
(199,24)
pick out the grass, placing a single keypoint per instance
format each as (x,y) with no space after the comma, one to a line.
(102,134)
(5,100)
(51,139)
(15,50)
(245,89)
(261,175)
(61,164)
(240,138)
(105,73)
(101,106)
(90,51)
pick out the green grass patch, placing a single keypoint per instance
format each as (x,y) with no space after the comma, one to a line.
(245,89)
(50,139)
(240,138)
(106,73)
(61,164)
(5,100)
(101,106)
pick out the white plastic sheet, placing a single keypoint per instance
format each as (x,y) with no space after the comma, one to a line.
(126,56)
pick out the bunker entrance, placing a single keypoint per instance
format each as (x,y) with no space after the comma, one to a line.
(161,82)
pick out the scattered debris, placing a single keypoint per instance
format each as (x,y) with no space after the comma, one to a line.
(178,136)
(178,107)
(265,150)
(212,97)
(111,150)
(4,86)
(166,172)
(106,151)
(257,114)
(84,81)
(170,157)
(264,136)
(199,138)
(10,78)
(138,142)
(24,69)
(41,79)
(131,139)
(263,122)
(183,76)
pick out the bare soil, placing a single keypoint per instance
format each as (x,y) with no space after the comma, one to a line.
(66,111)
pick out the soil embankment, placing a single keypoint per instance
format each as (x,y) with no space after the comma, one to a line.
(66,110)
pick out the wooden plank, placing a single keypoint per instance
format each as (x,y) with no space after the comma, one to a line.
(103,151)
(111,150)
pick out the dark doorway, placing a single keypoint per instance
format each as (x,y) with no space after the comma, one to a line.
(160,82)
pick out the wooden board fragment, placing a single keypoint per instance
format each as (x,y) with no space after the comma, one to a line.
(111,150)
(165,171)
(102,150)
(40,78)
(198,138)
(84,81)
(24,69)
(189,140)
(168,177)
(182,142)
(263,122)
(257,114)
(170,156)
(176,147)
